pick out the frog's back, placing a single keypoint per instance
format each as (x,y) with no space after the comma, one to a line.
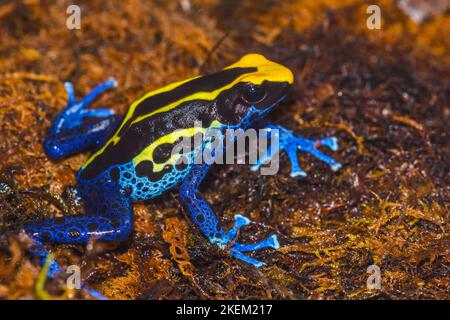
(143,143)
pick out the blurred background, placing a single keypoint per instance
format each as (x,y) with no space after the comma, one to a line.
(373,73)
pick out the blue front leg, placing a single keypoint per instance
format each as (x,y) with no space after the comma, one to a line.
(208,223)
(76,110)
(291,144)
(70,134)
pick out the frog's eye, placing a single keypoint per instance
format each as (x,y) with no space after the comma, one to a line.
(254,94)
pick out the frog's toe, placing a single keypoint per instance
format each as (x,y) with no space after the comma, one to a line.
(238,249)
(96,113)
(230,235)
(240,221)
(111,83)
(102,87)
(239,255)
(270,242)
(291,144)
(74,107)
(312,149)
(70,93)
(330,142)
(265,158)
(298,173)
(273,240)
(296,170)
(76,110)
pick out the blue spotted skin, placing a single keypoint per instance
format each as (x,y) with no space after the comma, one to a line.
(205,218)
(109,195)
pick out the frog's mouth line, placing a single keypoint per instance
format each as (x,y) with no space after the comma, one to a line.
(265,111)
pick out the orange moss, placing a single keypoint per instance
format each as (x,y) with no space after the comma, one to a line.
(382,92)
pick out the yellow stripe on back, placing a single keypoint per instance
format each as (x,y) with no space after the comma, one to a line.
(266,70)
(114,139)
(147,153)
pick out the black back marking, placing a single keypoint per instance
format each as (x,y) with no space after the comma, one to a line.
(145,169)
(207,83)
(133,138)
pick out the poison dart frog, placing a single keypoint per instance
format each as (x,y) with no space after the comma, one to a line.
(132,161)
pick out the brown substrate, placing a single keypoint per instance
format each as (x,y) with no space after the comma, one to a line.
(384,93)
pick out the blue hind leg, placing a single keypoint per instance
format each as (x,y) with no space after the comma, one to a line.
(70,133)
(109,218)
(86,136)
(208,223)
(291,144)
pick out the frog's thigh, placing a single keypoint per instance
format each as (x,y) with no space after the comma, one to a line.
(110,218)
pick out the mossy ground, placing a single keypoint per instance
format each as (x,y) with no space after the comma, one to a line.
(384,93)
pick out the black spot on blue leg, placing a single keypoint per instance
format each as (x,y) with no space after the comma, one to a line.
(208,223)
(200,218)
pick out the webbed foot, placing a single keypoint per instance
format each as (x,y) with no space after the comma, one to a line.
(76,110)
(291,144)
(237,249)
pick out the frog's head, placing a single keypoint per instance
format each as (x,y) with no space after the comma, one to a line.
(261,84)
